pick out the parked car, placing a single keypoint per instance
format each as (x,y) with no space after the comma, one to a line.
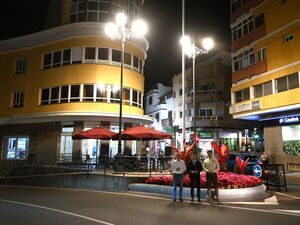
(253,160)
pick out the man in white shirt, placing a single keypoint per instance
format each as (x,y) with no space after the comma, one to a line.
(211,166)
(178,169)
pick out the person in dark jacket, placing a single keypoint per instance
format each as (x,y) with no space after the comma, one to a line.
(194,168)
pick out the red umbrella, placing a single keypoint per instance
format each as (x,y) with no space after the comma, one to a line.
(144,133)
(95,133)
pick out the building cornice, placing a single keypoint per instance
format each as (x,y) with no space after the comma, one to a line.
(64,32)
(75,116)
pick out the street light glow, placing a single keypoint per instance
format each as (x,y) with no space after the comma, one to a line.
(207,43)
(121,19)
(111,29)
(185,42)
(139,28)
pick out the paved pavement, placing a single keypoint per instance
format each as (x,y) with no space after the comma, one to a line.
(36,206)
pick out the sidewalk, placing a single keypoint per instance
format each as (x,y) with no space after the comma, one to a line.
(293,179)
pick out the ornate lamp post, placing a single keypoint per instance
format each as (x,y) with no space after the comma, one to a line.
(192,51)
(119,31)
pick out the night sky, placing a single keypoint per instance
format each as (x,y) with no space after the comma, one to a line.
(202,18)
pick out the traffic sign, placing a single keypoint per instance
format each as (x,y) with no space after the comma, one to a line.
(257,171)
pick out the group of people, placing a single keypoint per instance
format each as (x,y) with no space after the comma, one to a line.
(194,167)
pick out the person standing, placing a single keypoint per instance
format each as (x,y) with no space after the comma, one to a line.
(264,158)
(194,169)
(178,168)
(211,166)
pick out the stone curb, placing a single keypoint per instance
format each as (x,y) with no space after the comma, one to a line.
(241,194)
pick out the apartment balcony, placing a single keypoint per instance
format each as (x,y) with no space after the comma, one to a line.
(248,72)
(244,107)
(254,35)
(245,8)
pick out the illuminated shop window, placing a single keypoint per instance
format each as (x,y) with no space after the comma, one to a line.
(15,148)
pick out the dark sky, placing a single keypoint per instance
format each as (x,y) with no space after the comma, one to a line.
(202,18)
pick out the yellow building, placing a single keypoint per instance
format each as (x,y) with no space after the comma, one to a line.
(265,79)
(66,79)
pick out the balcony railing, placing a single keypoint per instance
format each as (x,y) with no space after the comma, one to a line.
(254,105)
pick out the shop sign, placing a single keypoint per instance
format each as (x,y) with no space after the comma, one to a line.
(293,119)
(206,134)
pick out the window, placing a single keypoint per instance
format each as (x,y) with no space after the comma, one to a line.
(103,53)
(261,54)
(150,100)
(242,28)
(180,91)
(47,61)
(127,58)
(66,56)
(45,96)
(21,66)
(77,53)
(135,62)
(235,4)
(135,98)
(263,89)
(90,53)
(56,59)
(115,94)
(283,2)
(64,94)
(242,95)
(174,94)
(101,93)
(18,99)
(54,95)
(116,55)
(244,59)
(126,96)
(75,93)
(15,148)
(206,112)
(180,114)
(259,20)
(288,82)
(88,93)
(288,38)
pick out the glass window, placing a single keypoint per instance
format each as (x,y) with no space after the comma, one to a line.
(93,5)
(116,55)
(115,94)
(293,81)
(258,91)
(261,54)
(238,97)
(16,148)
(47,61)
(88,93)
(127,58)
(75,91)
(281,84)
(54,95)
(92,16)
(101,93)
(66,56)
(126,96)
(135,62)
(64,94)
(288,38)
(90,53)
(21,66)
(45,96)
(18,100)
(57,59)
(267,88)
(134,98)
(103,53)
(259,20)
(150,100)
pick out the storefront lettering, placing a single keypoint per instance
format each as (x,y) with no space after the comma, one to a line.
(289,120)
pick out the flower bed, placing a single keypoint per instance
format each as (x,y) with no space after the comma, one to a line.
(225,180)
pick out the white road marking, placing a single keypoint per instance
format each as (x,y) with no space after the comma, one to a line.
(291,196)
(57,210)
(166,199)
(287,210)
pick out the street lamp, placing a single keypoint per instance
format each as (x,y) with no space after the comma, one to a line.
(119,31)
(192,51)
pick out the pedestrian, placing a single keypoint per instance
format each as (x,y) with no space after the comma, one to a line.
(211,166)
(264,158)
(178,168)
(194,169)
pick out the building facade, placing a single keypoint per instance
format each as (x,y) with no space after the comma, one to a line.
(266,64)
(66,79)
(212,89)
